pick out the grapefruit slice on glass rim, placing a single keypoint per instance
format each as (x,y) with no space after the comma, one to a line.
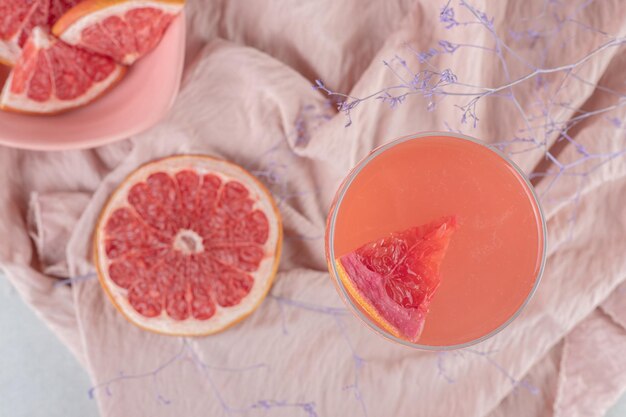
(394,279)
(51,77)
(188,245)
(125,30)
(19,17)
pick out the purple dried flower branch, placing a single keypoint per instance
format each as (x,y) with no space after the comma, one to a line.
(346,102)
(265,404)
(81,278)
(588,27)
(421,82)
(481,16)
(448,47)
(274,167)
(187,352)
(441,369)
(426,83)
(530,34)
(486,355)
(540,134)
(184,353)
(314,308)
(446,16)
(563,126)
(449,128)
(604,157)
(358,362)
(309,407)
(610,44)
(514,381)
(487,23)
(337,314)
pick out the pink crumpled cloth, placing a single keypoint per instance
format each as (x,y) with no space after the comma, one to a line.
(247,97)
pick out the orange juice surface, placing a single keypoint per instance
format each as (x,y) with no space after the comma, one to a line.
(495,256)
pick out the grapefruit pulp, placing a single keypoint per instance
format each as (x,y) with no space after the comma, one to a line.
(124,30)
(188,245)
(51,77)
(393,279)
(19,17)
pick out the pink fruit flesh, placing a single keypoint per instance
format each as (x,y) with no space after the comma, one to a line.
(129,36)
(58,71)
(20,17)
(185,244)
(399,274)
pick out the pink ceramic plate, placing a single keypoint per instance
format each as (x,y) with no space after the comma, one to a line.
(140,100)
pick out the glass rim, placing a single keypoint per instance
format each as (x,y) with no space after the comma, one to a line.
(332,220)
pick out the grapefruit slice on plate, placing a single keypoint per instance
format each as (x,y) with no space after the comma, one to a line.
(125,30)
(51,77)
(394,279)
(188,245)
(19,17)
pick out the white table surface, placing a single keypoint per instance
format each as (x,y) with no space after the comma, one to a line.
(40,378)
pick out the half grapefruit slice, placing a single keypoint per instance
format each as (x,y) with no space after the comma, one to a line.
(124,30)
(188,245)
(394,279)
(19,17)
(51,77)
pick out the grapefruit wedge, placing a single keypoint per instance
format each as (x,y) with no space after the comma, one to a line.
(394,279)
(52,77)
(124,30)
(19,17)
(188,245)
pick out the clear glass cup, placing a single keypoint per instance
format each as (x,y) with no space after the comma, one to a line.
(496,256)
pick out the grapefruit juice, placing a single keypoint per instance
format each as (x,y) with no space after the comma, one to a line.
(496,255)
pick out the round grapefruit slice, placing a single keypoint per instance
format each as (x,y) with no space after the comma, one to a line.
(52,77)
(394,279)
(125,30)
(19,17)
(188,245)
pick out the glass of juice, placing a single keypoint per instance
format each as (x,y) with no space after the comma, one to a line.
(436,241)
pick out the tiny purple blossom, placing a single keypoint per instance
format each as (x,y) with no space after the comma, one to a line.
(448,47)
(345,107)
(415,81)
(447,16)
(319,85)
(540,81)
(425,80)
(533,34)
(448,77)
(401,60)
(530,34)
(485,19)
(616,121)
(515,35)
(393,101)
(425,56)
